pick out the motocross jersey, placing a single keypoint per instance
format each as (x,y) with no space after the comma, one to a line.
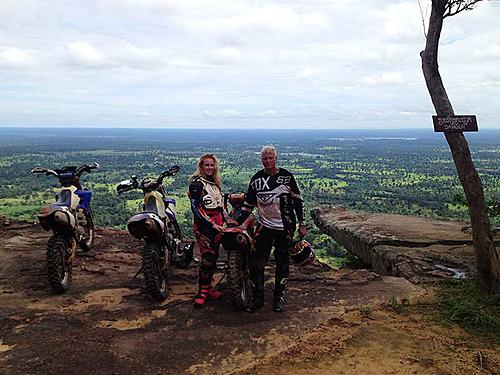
(277,198)
(206,200)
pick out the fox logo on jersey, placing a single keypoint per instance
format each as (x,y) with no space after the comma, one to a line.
(261,183)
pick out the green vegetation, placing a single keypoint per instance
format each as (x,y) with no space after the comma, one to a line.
(457,301)
(460,301)
(396,172)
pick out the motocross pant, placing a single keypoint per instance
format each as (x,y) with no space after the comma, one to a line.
(264,239)
(208,240)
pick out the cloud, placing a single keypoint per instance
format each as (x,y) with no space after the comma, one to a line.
(84,54)
(491,52)
(283,60)
(15,58)
(306,73)
(383,79)
(226,55)
(401,22)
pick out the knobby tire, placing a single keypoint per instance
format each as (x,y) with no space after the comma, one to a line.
(238,279)
(58,269)
(155,277)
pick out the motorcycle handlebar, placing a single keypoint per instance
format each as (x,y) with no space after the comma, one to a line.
(86,168)
(146,184)
(170,172)
(78,172)
(45,171)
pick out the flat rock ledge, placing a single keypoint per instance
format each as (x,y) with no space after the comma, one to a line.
(418,249)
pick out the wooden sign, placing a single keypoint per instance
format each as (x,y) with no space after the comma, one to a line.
(455,123)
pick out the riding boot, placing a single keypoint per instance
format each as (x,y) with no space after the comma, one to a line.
(214,293)
(258,295)
(201,298)
(278,297)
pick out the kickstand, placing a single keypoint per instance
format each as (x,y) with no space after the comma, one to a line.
(138,272)
(222,278)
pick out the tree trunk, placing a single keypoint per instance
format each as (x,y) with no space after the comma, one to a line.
(487,256)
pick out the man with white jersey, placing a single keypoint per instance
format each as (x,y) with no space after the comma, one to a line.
(276,195)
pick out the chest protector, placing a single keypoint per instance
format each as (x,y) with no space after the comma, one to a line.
(212,198)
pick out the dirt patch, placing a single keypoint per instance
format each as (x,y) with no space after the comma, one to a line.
(4,348)
(119,329)
(382,343)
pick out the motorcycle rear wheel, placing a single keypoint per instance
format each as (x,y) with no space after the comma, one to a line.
(58,267)
(155,271)
(238,278)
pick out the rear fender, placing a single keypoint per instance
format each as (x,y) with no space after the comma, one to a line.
(56,217)
(146,225)
(234,238)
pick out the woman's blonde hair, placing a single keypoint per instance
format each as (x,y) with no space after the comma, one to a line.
(216,175)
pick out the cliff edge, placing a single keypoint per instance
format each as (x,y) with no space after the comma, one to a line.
(418,249)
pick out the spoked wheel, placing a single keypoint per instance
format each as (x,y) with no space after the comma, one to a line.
(154,268)
(87,233)
(183,256)
(238,278)
(58,263)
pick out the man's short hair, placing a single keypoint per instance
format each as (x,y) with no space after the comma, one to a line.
(267,149)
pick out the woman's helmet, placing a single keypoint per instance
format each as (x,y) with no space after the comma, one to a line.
(302,253)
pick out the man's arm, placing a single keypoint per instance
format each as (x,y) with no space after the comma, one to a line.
(298,206)
(249,205)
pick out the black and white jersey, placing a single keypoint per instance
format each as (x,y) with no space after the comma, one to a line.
(277,199)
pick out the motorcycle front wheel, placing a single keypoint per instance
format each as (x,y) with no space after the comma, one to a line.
(87,241)
(238,278)
(154,268)
(58,264)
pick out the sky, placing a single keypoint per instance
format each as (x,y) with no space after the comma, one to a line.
(239,63)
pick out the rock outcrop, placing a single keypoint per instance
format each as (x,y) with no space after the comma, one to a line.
(419,249)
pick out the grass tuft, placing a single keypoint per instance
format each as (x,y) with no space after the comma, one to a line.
(461,302)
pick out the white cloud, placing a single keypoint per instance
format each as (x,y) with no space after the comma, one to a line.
(15,58)
(283,60)
(491,52)
(306,73)
(226,55)
(401,21)
(84,54)
(383,79)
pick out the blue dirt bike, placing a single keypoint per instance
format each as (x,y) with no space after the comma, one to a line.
(70,219)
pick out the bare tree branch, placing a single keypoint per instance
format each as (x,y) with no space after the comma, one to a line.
(456,6)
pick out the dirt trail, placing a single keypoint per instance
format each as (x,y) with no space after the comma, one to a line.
(105,324)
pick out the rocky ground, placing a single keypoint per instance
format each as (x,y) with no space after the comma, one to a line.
(416,248)
(335,321)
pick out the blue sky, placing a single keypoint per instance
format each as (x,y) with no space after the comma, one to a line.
(232,63)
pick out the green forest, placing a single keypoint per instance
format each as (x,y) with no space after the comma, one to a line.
(404,172)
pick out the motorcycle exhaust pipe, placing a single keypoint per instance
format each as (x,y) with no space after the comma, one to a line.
(148,225)
(145,228)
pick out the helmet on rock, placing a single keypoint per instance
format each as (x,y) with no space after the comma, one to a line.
(302,253)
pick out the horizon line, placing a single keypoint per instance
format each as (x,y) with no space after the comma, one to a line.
(224,128)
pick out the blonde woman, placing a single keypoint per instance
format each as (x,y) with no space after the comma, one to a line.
(208,211)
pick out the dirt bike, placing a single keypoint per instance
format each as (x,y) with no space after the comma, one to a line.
(158,227)
(238,242)
(70,218)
